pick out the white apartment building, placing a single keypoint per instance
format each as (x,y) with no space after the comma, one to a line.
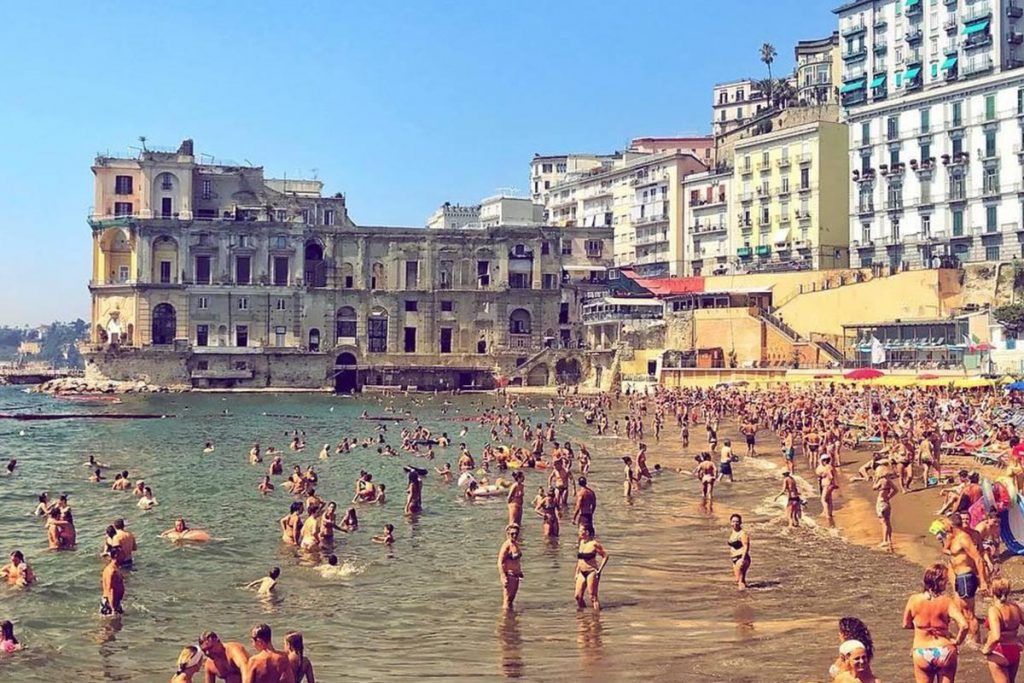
(706,250)
(450,216)
(640,196)
(734,104)
(932,93)
(493,211)
(546,171)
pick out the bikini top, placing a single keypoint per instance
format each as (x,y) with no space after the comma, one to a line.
(735,544)
(515,556)
(586,556)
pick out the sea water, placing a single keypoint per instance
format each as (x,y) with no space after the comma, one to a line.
(430,605)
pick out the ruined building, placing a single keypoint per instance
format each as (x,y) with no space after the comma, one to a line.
(212,275)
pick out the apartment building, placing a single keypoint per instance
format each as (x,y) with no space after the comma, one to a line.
(546,171)
(708,199)
(213,275)
(791,199)
(931,95)
(640,197)
(734,104)
(702,147)
(818,70)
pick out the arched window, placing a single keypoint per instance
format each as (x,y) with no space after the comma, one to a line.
(314,339)
(164,324)
(519,322)
(315,269)
(378,277)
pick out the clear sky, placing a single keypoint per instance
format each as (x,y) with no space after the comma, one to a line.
(400,105)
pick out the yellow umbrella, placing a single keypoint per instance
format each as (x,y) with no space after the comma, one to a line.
(972,383)
(1007,379)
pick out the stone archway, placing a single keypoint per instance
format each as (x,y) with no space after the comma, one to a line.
(346,375)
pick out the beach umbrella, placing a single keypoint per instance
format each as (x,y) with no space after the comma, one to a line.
(1016,386)
(863,373)
(972,383)
(1008,379)
(928,375)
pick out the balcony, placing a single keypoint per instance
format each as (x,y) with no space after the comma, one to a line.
(646,240)
(804,217)
(977,40)
(914,35)
(881,45)
(784,162)
(866,208)
(914,8)
(854,29)
(746,170)
(744,252)
(649,220)
(977,66)
(950,24)
(705,228)
(979,10)
(764,167)
(880,21)
(746,197)
(894,205)
(763,250)
(1014,11)
(782,219)
(856,53)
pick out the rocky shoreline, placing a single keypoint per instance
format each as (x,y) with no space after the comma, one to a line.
(81,385)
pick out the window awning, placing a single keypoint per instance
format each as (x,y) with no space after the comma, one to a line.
(911,3)
(912,73)
(782,236)
(878,81)
(852,85)
(949,63)
(976,27)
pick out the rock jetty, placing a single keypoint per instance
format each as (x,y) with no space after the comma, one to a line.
(81,385)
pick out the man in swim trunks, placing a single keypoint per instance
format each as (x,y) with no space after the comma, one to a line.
(226,661)
(749,431)
(966,568)
(586,504)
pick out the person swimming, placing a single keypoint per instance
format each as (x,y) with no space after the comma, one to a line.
(265,586)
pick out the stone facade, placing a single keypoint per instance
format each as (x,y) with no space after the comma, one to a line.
(274,286)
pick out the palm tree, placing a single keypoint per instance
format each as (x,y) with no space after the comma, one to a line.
(768,55)
(784,93)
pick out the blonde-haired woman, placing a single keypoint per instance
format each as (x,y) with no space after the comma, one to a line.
(1003,647)
(189,662)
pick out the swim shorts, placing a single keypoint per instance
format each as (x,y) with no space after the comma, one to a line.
(966,585)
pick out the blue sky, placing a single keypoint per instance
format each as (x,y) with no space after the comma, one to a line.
(401,105)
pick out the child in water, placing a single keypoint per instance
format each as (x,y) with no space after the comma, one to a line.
(386,538)
(267,584)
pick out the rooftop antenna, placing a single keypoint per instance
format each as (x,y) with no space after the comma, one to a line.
(248,162)
(315,172)
(142,141)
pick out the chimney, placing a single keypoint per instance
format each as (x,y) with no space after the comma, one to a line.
(186,148)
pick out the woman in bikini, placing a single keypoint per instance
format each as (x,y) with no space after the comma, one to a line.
(739,551)
(588,568)
(935,652)
(1003,647)
(510,567)
(547,509)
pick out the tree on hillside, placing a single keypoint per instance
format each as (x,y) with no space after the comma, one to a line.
(1011,317)
(768,55)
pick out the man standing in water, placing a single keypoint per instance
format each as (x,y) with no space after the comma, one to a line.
(749,431)
(112,584)
(226,661)
(586,504)
(267,665)
(966,568)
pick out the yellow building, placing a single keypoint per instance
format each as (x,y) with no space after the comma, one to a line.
(791,199)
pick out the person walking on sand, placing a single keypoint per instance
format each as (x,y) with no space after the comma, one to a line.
(739,551)
(967,569)
(883,507)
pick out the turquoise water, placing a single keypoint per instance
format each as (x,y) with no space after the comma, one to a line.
(429,606)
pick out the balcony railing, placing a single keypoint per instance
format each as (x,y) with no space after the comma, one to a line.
(656,218)
(854,29)
(977,66)
(978,10)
